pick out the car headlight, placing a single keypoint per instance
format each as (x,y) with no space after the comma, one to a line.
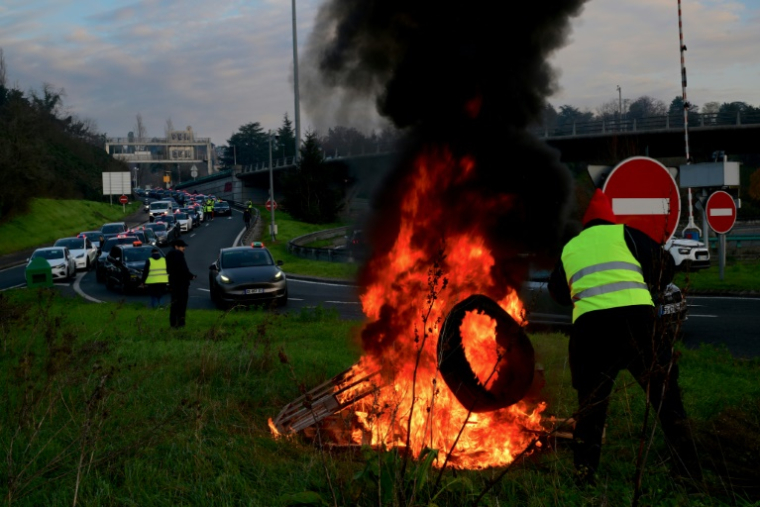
(80,255)
(277,276)
(225,279)
(684,251)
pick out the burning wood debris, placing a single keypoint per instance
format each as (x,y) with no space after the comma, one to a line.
(472,194)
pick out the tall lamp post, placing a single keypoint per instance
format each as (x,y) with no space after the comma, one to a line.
(620,107)
(273,226)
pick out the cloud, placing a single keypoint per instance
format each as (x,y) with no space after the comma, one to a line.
(219,65)
(636,45)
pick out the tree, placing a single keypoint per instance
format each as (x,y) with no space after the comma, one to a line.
(140,131)
(248,146)
(646,106)
(313,191)
(286,144)
(345,141)
(568,115)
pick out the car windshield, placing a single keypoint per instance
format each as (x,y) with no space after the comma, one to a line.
(137,254)
(71,243)
(111,242)
(169,219)
(56,253)
(221,205)
(91,235)
(112,229)
(246,258)
(181,216)
(158,227)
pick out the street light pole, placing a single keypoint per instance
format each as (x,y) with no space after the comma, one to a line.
(620,105)
(295,85)
(272,227)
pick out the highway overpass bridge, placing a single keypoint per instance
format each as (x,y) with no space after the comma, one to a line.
(596,142)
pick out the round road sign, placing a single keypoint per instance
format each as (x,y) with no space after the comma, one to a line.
(645,196)
(721,211)
(269,204)
(124,199)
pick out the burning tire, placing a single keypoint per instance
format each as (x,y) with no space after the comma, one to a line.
(516,364)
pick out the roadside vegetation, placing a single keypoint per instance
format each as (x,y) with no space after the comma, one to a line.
(289,229)
(104,404)
(50,219)
(738,275)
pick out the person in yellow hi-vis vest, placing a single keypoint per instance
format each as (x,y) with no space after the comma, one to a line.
(155,277)
(608,273)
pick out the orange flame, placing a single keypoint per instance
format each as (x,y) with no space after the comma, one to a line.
(411,290)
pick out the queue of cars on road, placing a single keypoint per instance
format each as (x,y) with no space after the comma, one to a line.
(246,275)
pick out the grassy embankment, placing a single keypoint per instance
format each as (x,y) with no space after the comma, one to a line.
(49,220)
(104,405)
(288,229)
(739,275)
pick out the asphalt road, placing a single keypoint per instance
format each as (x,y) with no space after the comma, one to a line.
(204,243)
(730,321)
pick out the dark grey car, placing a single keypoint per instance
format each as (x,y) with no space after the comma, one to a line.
(247,275)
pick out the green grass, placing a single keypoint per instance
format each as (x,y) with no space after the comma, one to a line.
(49,220)
(288,229)
(107,398)
(739,275)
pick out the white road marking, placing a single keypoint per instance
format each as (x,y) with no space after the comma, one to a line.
(204,290)
(295,280)
(707,316)
(296,299)
(344,302)
(641,206)
(78,290)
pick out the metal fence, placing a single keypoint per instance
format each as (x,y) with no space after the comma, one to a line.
(649,123)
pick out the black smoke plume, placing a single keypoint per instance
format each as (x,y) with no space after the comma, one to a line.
(471,76)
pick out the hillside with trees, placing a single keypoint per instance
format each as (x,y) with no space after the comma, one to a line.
(45,152)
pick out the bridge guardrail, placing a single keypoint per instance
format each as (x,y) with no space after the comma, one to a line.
(296,248)
(649,123)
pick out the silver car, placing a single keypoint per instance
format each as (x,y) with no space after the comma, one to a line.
(61,261)
(84,252)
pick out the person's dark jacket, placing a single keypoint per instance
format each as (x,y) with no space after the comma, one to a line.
(657,266)
(179,274)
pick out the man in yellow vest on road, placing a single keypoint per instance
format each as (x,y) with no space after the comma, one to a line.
(155,277)
(607,273)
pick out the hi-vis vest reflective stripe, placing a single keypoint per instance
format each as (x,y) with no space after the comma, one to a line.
(157,273)
(602,272)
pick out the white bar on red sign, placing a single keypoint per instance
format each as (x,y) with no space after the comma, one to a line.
(641,206)
(721,212)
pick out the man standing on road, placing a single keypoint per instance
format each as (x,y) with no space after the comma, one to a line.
(155,277)
(179,283)
(247,218)
(606,273)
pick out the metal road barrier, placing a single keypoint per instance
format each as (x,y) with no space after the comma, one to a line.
(295,247)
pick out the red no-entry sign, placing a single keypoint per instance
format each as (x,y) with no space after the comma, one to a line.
(644,195)
(269,204)
(721,211)
(124,199)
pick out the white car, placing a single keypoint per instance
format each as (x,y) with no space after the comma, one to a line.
(84,252)
(184,221)
(688,254)
(61,261)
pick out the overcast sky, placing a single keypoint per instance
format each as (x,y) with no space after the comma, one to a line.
(221,64)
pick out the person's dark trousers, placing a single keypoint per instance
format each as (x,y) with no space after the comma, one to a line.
(156,291)
(178,307)
(604,342)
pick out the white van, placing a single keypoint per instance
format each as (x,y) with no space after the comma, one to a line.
(159,208)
